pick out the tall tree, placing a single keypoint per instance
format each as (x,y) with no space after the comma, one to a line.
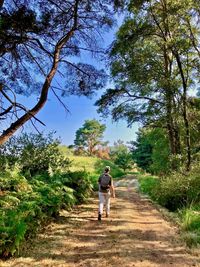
(39,41)
(90,135)
(153,64)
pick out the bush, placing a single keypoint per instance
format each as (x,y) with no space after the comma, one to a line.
(26,204)
(81,184)
(179,190)
(34,153)
(147,185)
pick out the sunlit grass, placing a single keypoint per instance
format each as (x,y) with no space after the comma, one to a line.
(94,165)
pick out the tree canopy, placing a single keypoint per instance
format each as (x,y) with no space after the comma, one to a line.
(89,135)
(154,63)
(40,44)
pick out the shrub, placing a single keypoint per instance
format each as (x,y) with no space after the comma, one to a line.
(147,185)
(35,153)
(81,183)
(26,204)
(179,190)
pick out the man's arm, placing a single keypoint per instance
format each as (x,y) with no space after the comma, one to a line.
(112,188)
(99,182)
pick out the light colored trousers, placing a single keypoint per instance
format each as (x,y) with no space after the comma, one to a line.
(104,198)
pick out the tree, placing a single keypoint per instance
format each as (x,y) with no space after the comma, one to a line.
(118,148)
(89,135)
(124,160)
(121,155)
(102,151)
(39,41)
(141,150)
(35,153)
(154,63)
(151,150)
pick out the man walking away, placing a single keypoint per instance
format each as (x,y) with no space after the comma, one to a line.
(106,189)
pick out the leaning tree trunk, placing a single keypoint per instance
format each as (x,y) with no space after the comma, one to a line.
(47,83)
(43,97)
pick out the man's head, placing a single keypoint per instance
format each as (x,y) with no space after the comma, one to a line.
(107,169)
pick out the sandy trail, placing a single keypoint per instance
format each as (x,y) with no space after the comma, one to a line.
(135,235)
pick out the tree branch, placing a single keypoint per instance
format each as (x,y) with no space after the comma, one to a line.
(45,89)
(143,97)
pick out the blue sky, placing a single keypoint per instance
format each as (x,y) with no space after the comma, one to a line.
(81,109)
(65,124)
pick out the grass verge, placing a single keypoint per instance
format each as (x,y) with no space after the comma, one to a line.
(186,217)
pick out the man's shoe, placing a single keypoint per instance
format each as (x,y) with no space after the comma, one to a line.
(99,217)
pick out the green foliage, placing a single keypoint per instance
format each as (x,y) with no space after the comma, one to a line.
(142,151)
(160,151)
(81,184)
(89,135)
(66,150)
(146,88)
(190,224)
(115,170)
(118,148)
(190,218)
(27,204)
(179,190)
(34,153)
(124,160)
(94,166)
(121,156)
(147,185)
(180,193)
(30,31)
(151,151)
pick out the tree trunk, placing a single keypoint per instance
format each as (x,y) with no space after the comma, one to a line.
(1,4)
(173,130)
(184,113)
(44,93)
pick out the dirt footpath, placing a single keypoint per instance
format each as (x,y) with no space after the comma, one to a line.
(135,235)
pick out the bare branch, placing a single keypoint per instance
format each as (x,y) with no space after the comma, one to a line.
(6,111)
(62,103)
(142,97)
(35,126)
(74,66)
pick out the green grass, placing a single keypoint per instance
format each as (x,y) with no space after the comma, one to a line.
(94,165)
(188,217)
(147,184)
(190,225)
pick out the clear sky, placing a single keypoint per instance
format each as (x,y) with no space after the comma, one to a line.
(66,124)
(81,109)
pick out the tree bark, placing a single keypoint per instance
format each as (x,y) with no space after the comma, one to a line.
(185,115)
(1,4)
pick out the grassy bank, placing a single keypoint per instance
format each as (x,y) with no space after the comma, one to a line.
(94,166)
(180,196)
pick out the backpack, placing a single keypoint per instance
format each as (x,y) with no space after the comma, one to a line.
(105,181)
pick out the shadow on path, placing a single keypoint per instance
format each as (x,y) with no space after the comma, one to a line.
(134,235)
